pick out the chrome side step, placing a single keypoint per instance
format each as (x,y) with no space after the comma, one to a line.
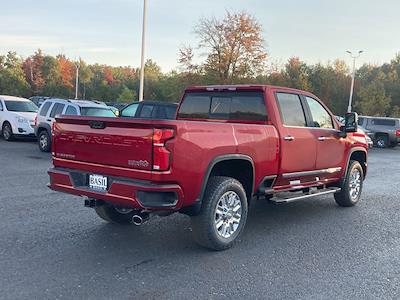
(313,193)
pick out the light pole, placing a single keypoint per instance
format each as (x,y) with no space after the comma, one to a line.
(77,80)
(353,76)
(141,91)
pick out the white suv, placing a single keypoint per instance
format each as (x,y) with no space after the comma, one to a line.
(17,117)
(52,108)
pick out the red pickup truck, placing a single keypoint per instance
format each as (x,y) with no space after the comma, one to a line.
(226,146)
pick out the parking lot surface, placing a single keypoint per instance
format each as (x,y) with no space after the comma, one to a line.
(51,247)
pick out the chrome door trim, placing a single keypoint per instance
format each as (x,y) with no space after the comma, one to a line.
(310,173)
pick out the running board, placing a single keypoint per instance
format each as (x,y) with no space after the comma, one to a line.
(314,193)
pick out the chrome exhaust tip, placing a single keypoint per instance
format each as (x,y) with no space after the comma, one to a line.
(140,218)
(137,220)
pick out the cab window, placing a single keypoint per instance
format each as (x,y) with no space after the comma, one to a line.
(291,109)
(321,117)
(130,111)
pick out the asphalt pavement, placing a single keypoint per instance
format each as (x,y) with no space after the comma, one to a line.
(51,247)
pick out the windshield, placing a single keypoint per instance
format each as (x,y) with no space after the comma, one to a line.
(97,112)
(21,106)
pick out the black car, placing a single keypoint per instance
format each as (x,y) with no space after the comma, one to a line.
(157,110)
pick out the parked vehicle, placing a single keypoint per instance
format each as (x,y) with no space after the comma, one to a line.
(55,107)
(38,100)
(16,117)
(156,110)
(227,144)
(386,131)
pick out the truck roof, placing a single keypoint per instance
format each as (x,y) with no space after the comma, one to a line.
(240,87)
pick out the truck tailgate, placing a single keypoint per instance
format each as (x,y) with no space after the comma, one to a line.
(105,141)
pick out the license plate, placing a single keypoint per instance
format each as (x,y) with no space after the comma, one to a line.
(98,182)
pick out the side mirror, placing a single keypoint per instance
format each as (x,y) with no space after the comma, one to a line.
(351,122)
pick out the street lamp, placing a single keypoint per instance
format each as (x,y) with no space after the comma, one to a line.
(141,91)
(354,57)
(77,79)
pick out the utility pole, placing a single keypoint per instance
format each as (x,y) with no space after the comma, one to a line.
(77,80)
(141,91)
(353,76)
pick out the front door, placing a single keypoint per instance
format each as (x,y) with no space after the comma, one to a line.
(298,145)
(330,147)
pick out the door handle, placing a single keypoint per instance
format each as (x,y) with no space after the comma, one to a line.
(289,138)
(322,138)
(48,120)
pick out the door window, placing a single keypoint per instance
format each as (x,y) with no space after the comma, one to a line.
(71,111)
(130,111)
(291,109)
(44,109)
(57,110)
(321,118)
(147,111)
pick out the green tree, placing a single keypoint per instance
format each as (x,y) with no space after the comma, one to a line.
(127,95)
(12,77)
(373,100)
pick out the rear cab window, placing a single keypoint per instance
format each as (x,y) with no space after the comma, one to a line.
(228,106)
(384,122)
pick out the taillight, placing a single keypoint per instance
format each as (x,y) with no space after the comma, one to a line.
(36,121)
(398,132)
(161,155)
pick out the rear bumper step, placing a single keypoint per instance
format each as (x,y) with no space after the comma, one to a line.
(121,192)
(314,193)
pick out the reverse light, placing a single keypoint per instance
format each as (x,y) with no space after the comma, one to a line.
(161,155)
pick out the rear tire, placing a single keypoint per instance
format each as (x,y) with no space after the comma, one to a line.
(44,141)
(350,193)
(223,214)
(115,215)
(7,132)
(382,141)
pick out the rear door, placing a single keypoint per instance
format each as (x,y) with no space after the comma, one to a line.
(298,145)
(330,147)
(56,110)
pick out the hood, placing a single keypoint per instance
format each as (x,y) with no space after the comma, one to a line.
(30,116)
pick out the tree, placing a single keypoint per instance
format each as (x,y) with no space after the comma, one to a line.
(296,74)
(373,100)
(127,95)
(12,77)
(234,47)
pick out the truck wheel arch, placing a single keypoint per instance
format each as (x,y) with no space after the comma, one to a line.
(359,154)
(217,163)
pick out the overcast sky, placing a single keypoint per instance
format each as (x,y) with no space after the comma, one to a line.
(109,31)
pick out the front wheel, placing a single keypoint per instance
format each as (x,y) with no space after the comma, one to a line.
(7,132)
(223,214)
(350,193)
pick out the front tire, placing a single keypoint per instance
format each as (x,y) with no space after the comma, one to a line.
(350,193)
(115,215)
(44,141)
(223,214)
(7,132)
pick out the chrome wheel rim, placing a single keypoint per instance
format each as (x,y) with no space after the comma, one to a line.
(355,184)
(380,143)
(6,132)
(43,141)
(123,211)
(228,214)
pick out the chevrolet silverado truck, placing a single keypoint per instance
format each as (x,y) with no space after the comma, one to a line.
(226,146)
